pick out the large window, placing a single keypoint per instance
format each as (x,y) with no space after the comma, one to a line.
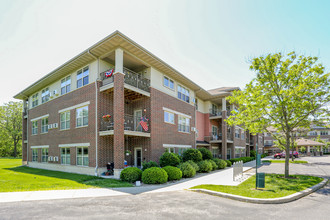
(184,124)
(82,116)
(82,77)
(177,150)
(168,83)
(324,132)
(65,156)
(45,95)
(168,117)
(312,133)
(35,100)
(35,127)
(65,120)
(82,156)
(35,155)
(44,125)
(243,135)
(183,93)
(65,85)
(237,133)
(44,155)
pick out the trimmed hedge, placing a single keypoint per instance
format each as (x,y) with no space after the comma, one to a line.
(206,154)
(214,165)
(194,165)
(244,159)
(187,170)
(154,175)
(169,159)
(222,164)
(263,155)
(173,173)
(192,154)
(131,174)
(228,163)
(146,165)
(204,166)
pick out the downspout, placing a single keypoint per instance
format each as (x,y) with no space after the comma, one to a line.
(96,113)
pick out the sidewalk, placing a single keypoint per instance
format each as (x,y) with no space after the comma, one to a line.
(220,177)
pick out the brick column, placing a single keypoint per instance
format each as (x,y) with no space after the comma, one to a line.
(224,135)
(119,139)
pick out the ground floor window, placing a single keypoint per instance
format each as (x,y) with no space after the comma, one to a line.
(215,152)
(177,150)
(44,155)
(82,156)
(35,155)
(239,152)
(65,156)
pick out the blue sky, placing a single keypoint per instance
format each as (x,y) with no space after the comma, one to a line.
(211,42)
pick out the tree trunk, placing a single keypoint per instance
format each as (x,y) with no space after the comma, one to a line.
(15,149)
(287,156)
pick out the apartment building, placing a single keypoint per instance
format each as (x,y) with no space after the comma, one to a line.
(117,102)
(310,134)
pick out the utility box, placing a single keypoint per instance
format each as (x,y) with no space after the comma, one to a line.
(260,181)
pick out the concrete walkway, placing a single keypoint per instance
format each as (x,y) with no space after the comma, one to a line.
(219,177)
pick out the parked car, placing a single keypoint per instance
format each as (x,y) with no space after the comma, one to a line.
(282,154)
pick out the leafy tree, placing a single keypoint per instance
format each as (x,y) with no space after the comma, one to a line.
(11,129)
(288,92)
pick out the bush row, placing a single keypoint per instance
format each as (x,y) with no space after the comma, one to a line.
(244,159)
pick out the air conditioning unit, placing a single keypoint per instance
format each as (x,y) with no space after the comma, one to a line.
(55,125)
(50,126)
(50,158)
(55,93)
(56,159)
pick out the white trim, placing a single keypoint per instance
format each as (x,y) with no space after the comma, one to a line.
(74,107)
(239,147)
(40,146)
(176,145)
(176,112)
(36,119)
(75,145)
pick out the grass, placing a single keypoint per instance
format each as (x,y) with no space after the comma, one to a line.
(283,161)
(14,178)
(276,186)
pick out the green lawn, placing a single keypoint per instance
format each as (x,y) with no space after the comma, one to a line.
(283,161)
(14,177)
(275,186)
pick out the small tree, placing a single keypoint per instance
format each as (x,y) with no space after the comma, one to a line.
(289,92)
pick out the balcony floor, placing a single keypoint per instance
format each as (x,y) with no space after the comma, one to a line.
(126,132)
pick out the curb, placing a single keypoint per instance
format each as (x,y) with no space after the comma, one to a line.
(280,200)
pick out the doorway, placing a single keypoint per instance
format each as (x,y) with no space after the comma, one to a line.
(138,157)
(228,153)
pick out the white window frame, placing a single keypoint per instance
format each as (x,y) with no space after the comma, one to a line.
(170,117)
(65,85)
(34,127)
(169,82)
(35,100)
(81,117)
(66,121)
(83,76)
(323,133)
(35,155)
(44,155)
(44,127)
(185,127)
(65,156)
(45,95)
(82,156)
(183,94)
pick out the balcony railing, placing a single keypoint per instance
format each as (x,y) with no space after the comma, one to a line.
(131,78)
(251,142)
(131,123)
(106,125)
(215,112)
(228,113)
(215,136)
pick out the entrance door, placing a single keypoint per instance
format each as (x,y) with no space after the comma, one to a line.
(137,119)
(228,153)
(138,157)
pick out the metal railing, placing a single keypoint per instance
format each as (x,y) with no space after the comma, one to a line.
(106,80)
(140,124)
(106,125)
(215,112)
(137,80)
(215,136)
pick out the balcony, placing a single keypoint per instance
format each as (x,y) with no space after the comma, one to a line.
(215,114)
(230,136)
(215,138)
(133,81)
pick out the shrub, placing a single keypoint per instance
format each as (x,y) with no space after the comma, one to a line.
(244,159)
(192,154)
(253,153)
(220,163)
(263,155)
(204,166)
(213,164)
(187,170)
(169,159)
(154,175)
(194,165)
(180,157)
(146,165)
(173,173)
(206,154)
(131,174)
(228,163)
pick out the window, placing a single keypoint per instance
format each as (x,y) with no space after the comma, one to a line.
(184,124)
(214,130)
(44,155)
(178,150)
(45,95)
(44,125)
(312,133)
(168,83)
(35,155)
(35,100)
(214,109)
(82,156)
(82,77)
(215,152)
(65,156)
(183,93)
(196,103)
(65,120)
(168,117)
(65,85)
(82,116)
(243,135)
(35,127)
(324,132)
(237,133)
